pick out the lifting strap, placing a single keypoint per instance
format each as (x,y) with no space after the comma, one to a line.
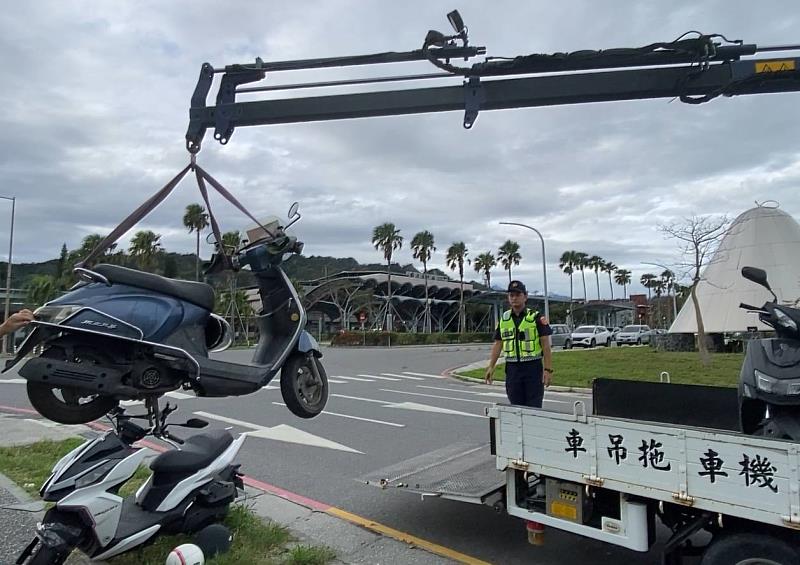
(151,203)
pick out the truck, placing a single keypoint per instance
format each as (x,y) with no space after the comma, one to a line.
(646,453)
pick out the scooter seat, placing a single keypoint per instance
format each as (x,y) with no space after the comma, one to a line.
(197,293)
(196,453)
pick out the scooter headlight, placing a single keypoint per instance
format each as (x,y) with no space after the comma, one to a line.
(771,385)
(783,320)
(95,474)
(55,313)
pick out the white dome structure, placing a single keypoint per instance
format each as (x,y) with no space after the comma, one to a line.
(763,237)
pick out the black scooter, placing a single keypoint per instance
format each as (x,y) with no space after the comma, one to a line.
(122,334)
(769,383)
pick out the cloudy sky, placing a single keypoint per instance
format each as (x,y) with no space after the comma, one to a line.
(95,105)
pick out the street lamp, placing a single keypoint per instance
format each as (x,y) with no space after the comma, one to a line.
(544,265)
(7,310)
(674,294)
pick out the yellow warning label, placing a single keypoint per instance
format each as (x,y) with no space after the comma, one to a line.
(561,510)
(775,66)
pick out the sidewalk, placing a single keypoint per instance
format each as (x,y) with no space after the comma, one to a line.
(353,544)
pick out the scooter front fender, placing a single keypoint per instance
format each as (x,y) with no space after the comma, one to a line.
(307,343)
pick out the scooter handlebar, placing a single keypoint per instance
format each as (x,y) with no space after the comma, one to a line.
(750,307)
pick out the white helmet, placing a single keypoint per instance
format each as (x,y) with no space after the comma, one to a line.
(186,554)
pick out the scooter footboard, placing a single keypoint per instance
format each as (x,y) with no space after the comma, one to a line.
(223,378)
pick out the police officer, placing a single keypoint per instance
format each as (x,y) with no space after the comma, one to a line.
(523,336)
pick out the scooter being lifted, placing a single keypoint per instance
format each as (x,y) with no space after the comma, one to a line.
(189,489)
(123,334)
(769,384)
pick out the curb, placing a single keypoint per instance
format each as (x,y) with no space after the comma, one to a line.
(454,373)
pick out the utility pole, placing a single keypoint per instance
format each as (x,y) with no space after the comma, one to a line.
(7,310)
(544,266)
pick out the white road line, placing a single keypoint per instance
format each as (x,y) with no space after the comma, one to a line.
(354,379)
(12,381)
(363,399)
(328,413)
(437,396)
(380,378)
(464,391)
(403,376)
(424,375)
(330,380)
(180,395)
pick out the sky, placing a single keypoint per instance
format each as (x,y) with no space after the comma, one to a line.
(95,99)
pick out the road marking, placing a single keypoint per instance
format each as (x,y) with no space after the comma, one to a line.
(437,396)
(403,376)
(354,379)
(424,375)
(494,394)
(180,395)
(404,537)
(329,413)
(281,432)
(12,381)
(411,406)
(428,408)
(330,380)
(380,378)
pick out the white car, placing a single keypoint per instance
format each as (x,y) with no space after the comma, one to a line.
(591,336)
(634,335)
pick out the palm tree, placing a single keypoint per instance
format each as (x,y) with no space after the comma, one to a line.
(647,281)
(231,239)
(623,277)
(196,220)
(456,257)
(145,247)
(609,268)
(568,263)
(484,263)
(41,289)
(595,263)
(423,245)
(580,264)
(509,256)
(88,244)
(387,238)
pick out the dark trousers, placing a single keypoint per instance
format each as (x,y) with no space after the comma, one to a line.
(524,385)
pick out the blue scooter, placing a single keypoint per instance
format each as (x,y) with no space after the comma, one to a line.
(123,334)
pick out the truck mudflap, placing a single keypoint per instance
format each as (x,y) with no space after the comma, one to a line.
(465,472)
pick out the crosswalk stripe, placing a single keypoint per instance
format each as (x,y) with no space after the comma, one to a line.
(363,399)
(424,375)
(330,380)
(403,376)
(329,413)
(380,378)
(354,379)
(436,396)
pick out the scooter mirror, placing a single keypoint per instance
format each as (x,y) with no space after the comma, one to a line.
(455,20)
(758,276)
(195,423)
(293,210)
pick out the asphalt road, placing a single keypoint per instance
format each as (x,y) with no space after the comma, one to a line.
(386,406)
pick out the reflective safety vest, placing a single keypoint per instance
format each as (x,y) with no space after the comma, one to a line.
(520,343)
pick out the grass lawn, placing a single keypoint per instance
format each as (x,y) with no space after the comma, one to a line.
(577,368)
(255,542)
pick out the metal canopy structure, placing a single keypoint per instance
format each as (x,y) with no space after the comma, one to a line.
(694,69)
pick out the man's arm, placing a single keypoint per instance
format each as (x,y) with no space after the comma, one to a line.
(547,358)
(496,349)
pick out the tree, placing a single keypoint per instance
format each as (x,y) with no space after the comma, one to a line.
(88,244)
(231,240)
(387,238)
(509,256)
(595,263)
(648,281)
(196,220)
(145,247)
(568,263)
(41,289)
(580,264)
(623,277)
(423,245)
(484,263)
(698,238)
(609,267)
(62,269)
(456,257)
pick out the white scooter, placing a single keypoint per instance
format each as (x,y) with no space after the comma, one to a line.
(191,487)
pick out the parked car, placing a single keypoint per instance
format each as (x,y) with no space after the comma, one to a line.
(591,336)
(561,336)
(634,335)
(613,332)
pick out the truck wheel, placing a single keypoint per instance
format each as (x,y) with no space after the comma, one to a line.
(750,549)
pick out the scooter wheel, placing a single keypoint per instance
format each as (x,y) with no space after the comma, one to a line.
(44,555)
(304,395)
(70,408)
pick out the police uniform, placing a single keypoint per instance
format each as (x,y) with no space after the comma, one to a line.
(522,350)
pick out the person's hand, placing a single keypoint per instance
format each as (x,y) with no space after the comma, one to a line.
(17,321)
(546,378)
(488,377)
